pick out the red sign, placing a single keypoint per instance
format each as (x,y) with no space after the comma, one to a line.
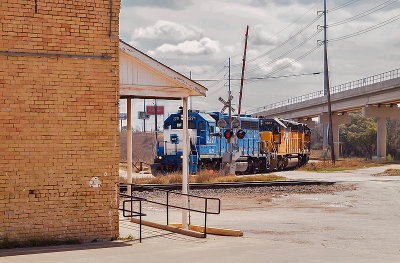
(151,110)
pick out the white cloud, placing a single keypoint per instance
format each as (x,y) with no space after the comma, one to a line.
(197,70)
(260,37)
(204,46)
(170,4)
(167,31)
(283,65)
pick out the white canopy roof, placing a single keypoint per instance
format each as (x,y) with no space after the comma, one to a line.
(141,76)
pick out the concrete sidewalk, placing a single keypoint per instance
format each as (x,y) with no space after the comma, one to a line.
(351,226)
(358,175)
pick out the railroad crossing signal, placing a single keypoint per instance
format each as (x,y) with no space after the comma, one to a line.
(235,123)
(228,134)
(226,104)
(221,123)
(240,134)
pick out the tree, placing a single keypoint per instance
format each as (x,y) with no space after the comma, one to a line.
(393,139)
(359,137)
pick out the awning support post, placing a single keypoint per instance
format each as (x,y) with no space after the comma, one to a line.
(185,164)
(129,144)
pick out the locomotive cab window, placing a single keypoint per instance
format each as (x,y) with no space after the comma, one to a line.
(202,126)
(192,125)
(178,125)
(276,129)
(167,125)
(267,127)
(211,129)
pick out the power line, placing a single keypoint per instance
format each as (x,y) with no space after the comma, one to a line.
(265,77)
(342,6)
(280,31)
(363,14)
(281,77)
(298,19)
(277,70)
(384,23)
(293,61)
(221,69)
(287,52)
(287,40)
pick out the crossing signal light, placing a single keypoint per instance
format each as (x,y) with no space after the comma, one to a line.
(240,134)
(228,134)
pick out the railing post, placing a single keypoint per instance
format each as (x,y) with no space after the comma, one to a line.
(205,218)
(131,202)
(167,209)
(140,221)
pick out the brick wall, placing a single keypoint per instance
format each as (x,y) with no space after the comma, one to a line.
(58,120)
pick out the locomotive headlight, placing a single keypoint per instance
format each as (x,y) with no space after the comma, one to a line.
(160,157)
(181,156)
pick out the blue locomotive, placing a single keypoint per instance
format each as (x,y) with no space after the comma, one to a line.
(208,145)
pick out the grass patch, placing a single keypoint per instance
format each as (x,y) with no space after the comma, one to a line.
(207,177)
(130,237)
(389,172)
(342,165)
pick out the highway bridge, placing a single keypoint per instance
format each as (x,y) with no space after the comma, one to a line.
(376,96)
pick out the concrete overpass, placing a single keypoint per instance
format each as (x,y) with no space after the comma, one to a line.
(376,96)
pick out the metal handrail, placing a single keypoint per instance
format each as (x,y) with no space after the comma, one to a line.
(133,213)
(168,192)
(392,74)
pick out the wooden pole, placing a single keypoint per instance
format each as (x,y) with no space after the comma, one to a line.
(129,143)
(185,164)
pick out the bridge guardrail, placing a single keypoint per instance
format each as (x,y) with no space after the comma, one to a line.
(392,74)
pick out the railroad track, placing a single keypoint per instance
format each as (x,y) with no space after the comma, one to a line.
(148,187)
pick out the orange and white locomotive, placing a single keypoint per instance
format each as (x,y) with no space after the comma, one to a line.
(286,141)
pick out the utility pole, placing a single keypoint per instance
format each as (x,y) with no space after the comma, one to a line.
(327,91)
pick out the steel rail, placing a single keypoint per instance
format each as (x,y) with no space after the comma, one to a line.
(148,187)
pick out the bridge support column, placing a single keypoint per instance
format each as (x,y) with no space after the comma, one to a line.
(381,134)
(336,121)
(381,113)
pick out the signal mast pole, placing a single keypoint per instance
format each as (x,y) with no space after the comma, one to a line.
(230,105)
(242,80)
(327,90)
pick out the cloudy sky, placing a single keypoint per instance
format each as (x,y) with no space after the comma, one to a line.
(200,36)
